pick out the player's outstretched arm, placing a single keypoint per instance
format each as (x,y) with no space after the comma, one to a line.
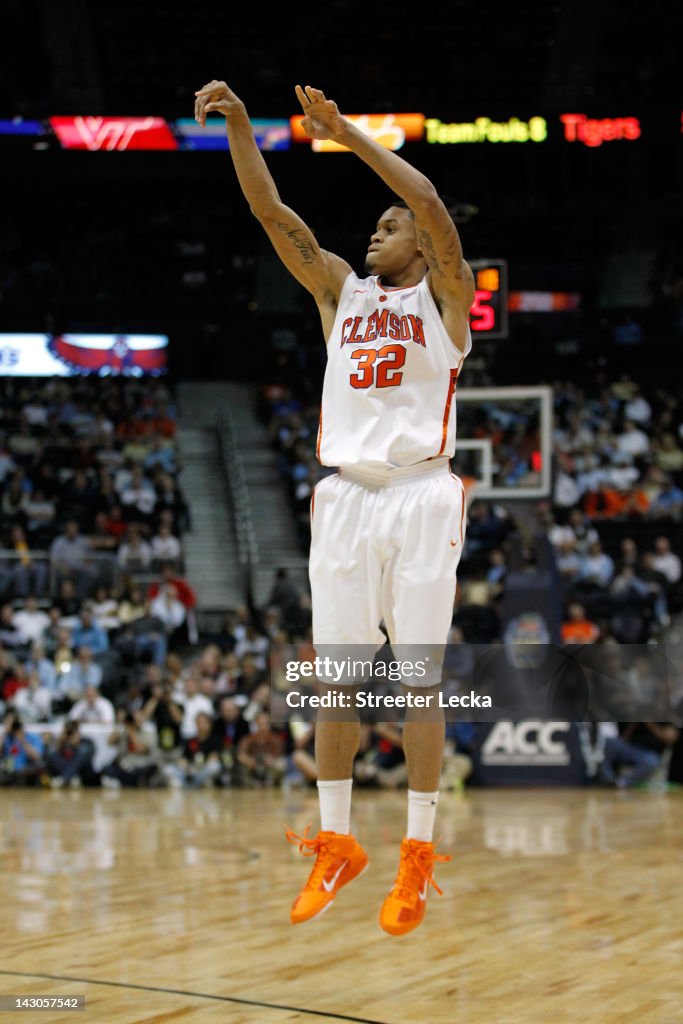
(450,275)
(321,272)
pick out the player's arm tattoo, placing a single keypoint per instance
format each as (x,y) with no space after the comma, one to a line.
(436,265)
(300,241)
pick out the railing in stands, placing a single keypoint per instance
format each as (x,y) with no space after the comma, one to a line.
(247,546)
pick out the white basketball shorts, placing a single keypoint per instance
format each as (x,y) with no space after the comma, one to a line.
(386,547)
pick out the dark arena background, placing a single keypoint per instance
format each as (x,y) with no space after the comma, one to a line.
(160,382)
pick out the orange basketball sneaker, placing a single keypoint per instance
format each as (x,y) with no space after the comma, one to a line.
(404,907)
(339,859)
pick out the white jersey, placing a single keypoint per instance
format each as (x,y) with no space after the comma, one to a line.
(388,395)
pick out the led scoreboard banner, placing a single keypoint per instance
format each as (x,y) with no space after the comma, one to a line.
(489,313)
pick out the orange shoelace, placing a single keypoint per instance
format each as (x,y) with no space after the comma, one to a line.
(316,846)
(422,861)
(307,846)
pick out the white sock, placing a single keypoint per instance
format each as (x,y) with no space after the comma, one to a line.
(421,815)
(335,806)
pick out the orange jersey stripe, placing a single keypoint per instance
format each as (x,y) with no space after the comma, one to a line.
(447,411)
(463,505)
(320,434)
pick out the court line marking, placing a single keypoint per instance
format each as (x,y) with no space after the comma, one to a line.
(195,995)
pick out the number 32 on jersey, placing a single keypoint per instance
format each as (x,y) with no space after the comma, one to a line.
(380,366)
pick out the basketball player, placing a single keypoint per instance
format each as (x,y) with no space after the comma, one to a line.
(387,530)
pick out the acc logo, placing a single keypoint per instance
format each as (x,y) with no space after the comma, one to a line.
(526,743)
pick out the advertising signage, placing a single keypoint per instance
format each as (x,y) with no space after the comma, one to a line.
(389,130)
(67,355)
(124,134)
(270,134)
(113,133)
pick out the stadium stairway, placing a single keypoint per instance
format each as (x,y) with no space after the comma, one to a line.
(272,517)
(211,556)
(272,521)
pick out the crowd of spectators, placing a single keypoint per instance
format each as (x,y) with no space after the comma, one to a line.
(91,520)
(190,716)
(612,519)
(616,518)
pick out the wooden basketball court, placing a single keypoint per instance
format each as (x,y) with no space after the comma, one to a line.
(559,906)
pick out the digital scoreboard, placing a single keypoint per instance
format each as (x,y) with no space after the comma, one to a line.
(489,313)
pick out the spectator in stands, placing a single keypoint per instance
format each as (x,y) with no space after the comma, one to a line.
(652,484)
(597,568)
(171,612)
(166,714)
(7,463)
(254,643)
(638,747)
(284,594)
(14,499)
(104,544)
(185,593)
(666,561)
(132,605)
(166,549)
(76,678)
(115,525)
(142,635)
(68,603)
(566,492)
(577,628)
(261,754)
(10,635)
(604,503)
(637,409)
(169,498)
(78,499)
(32,702)
(194,702)
(69,557)
(669,503)
(69,758)
(105,609)
(135,554)
(28,574)
(138,497)
(250,677)
(160,455)
(229,728)
(629,553)
(93,707)
(568,560)
(21,754)
(623,474)
(668,455)
(89,634)
(137,759)
(39,663)
(632,440)
(635,504)
(658,586)
(30,621)
(200,764)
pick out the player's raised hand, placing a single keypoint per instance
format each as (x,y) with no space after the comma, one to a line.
(322,118)
(216,96)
